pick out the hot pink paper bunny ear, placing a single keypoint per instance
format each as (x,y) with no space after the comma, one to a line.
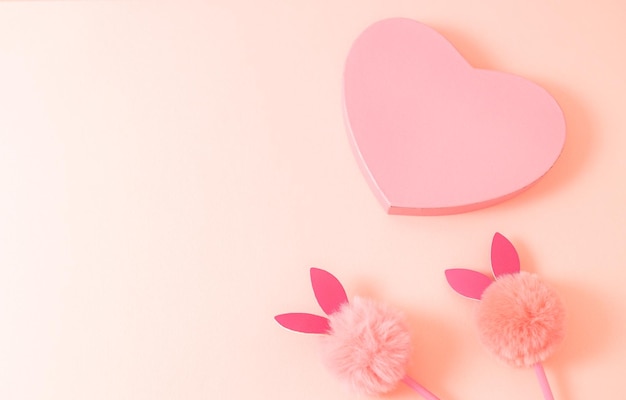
(520,319)
(303,322)
(467,282)
(504,258)
(329,292)
(366,344)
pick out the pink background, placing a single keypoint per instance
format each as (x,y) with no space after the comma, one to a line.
(170,170)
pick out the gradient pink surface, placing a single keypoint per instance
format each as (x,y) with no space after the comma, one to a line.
(171,170)
(435,136)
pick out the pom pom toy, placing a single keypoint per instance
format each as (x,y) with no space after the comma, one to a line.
(366,344)
(520,319)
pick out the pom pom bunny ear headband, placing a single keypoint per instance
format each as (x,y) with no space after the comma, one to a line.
(367,344)
(520,319)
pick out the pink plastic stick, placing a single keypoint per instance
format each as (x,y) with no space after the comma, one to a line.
(410,382)
(543,382)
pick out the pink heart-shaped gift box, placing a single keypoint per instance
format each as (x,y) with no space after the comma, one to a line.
(435,136)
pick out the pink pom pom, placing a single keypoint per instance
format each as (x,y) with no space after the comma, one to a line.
(368,347)
(520,319)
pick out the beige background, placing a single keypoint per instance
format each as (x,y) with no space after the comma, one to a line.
(170,170)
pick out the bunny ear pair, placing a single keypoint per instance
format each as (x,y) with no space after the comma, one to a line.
(472,284)
(330,295)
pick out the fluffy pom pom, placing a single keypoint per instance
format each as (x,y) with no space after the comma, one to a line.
(368,347)
(520,319)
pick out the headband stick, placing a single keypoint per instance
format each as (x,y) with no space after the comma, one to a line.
(543,381)
(413,384)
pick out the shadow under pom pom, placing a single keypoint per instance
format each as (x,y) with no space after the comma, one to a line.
(368,347)
(520,319)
